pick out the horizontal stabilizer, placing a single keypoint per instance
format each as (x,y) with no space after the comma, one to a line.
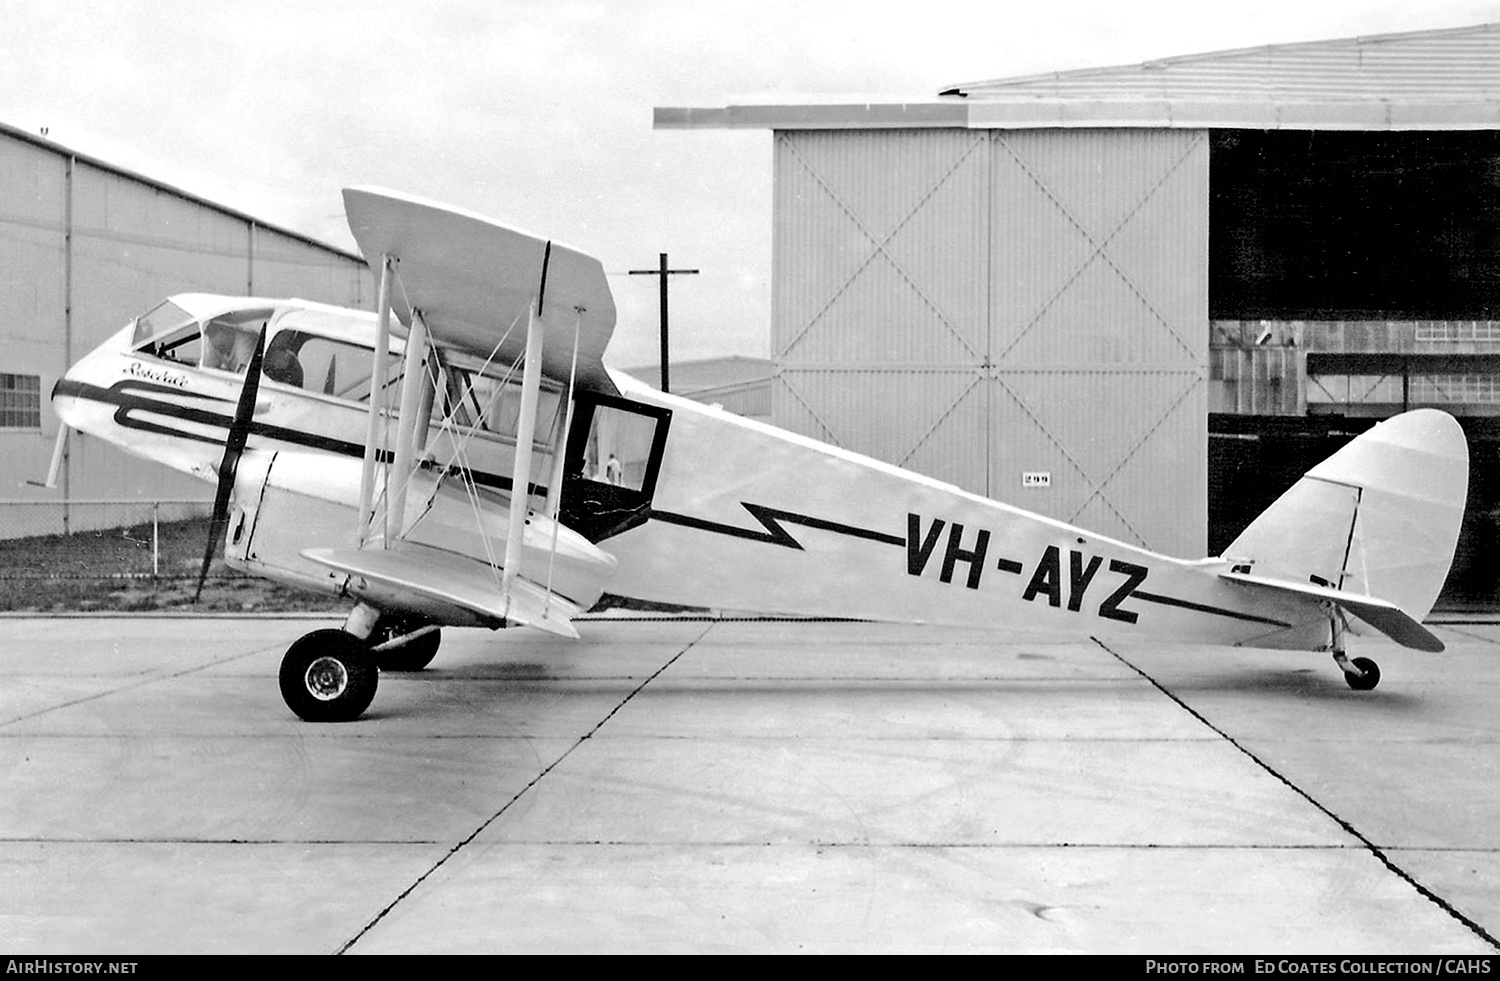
(437,582)
(1388,618)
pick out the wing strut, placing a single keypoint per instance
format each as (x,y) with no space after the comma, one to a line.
(560,450)
(377,396)
(412,387)
(520,496)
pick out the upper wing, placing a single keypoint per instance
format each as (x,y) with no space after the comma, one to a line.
(1388,618)
(472,279)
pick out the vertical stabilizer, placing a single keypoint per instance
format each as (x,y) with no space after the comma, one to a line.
(1379,517)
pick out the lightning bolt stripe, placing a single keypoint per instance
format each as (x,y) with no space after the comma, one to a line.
(772,530)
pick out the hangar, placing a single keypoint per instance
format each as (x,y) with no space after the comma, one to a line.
(1043,288)
(85,245)
(735,383)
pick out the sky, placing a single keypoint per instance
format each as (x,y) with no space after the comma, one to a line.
(538,113)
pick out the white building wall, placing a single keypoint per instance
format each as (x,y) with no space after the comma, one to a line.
(83,249)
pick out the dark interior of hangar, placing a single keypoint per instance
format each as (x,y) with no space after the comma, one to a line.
(1252,460)
(1354,226)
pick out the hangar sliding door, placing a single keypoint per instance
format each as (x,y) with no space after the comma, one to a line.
(1099,330)
(980,305)
(879,269)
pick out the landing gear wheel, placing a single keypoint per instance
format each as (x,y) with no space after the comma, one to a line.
(412,656)
(328,676)
(1368,677)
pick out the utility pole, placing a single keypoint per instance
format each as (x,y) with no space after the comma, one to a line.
(663,272)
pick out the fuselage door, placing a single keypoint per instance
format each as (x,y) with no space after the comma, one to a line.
(614,456)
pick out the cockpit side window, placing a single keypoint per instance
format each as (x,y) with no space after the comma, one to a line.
(170,333)
(162,319)
(225,343)
(229,340)
(183,346)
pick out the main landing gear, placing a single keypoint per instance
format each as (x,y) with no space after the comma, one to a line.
(328,676)
(1361,673)
(331,675)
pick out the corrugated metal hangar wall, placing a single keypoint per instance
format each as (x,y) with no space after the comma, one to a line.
(984,305)
(84,247)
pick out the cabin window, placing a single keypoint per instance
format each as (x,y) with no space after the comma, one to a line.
(327,366)
(20,401)
(494,406)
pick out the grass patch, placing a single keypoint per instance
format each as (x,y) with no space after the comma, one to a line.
(114,569)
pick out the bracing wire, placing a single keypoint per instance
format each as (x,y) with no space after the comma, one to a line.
(459,446)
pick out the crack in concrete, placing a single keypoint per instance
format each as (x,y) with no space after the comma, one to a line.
(461,845)
(1350,829)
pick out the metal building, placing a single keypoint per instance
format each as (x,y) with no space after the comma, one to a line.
(735,383)
(85,246)
(1012,287)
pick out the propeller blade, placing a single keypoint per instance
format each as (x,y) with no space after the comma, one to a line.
(234,445)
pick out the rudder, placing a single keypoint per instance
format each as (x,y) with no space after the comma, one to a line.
(1379,517)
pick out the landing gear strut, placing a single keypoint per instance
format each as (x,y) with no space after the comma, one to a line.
(1361,673)
(400,644)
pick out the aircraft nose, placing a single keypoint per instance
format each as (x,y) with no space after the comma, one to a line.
(76,386)
(68,384)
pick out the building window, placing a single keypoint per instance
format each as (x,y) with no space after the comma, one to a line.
(20,401)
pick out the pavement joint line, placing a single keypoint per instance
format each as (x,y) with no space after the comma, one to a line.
(1100,846)
(138,683)
(1469,633)
(167,840)
(417,882)
(730,843)
(1350,829)
(340,615)
(760,741)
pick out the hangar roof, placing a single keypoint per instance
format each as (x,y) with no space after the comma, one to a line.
(710,375)
(1435,80)
(12,132)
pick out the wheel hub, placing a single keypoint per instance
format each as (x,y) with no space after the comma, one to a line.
(326,679)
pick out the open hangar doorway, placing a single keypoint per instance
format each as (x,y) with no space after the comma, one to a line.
(1355,252)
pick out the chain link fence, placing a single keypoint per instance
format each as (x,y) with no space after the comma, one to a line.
(58,556)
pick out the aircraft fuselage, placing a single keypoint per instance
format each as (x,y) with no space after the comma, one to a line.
(723,512)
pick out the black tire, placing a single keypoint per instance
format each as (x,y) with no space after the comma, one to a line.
(328,676)
(1368,677)
(413,656)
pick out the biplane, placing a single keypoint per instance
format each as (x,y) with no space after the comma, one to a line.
(463,457)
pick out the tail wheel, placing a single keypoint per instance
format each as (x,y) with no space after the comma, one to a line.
(411,656)
(328,676)
(1368,677)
